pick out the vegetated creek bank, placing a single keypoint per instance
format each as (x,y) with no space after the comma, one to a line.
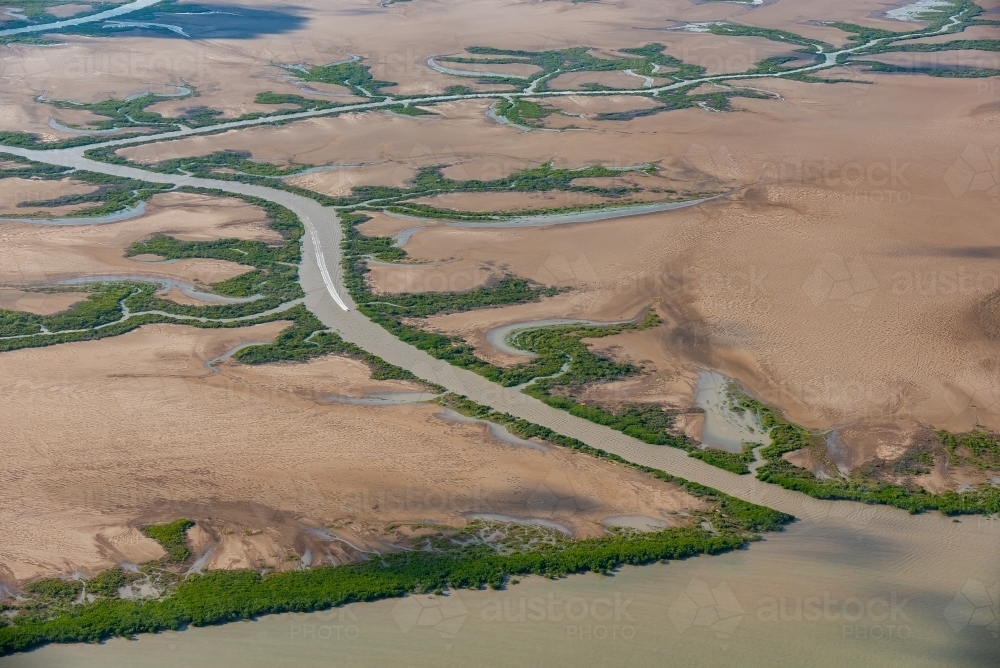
(869,586)
(187,289)
(839,551)
(125,214)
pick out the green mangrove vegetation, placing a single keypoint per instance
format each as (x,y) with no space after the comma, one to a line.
(562,363)
(351,74)
(977,448)
(410,110)
(685,98)
(31,12)
(731,513)
(866,484)
(240,167)
(648,60)
(271,289)
(453,561)
(945,71)
(522,112)
(173,537)
(236,162)
(110,195)
(481,554)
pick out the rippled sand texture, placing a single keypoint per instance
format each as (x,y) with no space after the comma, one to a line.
(102,436)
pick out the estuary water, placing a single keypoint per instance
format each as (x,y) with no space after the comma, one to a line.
(874,587)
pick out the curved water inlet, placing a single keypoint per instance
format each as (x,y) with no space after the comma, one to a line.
(383,399)
(117,217)
(187,289)
(404,236)
(182,91)
(491,113)
(588,216)
(647,82)
(495,430)
(56,125)
(112,25)
(100,16)
(200,562)
(431,63)
(502,337)
(210,364)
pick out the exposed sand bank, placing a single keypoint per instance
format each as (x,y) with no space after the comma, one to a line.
(36,253)
(257,449)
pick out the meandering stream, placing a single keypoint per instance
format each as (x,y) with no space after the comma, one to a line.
(848,584)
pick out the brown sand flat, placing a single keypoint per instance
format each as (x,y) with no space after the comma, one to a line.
(719,55)
(39,303)
(796,17)
(513,201)
(972,32)
(68,10)
(575,80)
(383,224)
(341,180)
(484,168)
(34,252)
(754,275)
(454,136)
(588,256)
(960,59)
(435,277)
(199,447)
(851,280)
(586,105)
(16,191)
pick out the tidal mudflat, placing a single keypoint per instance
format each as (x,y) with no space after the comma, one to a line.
(798,198)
